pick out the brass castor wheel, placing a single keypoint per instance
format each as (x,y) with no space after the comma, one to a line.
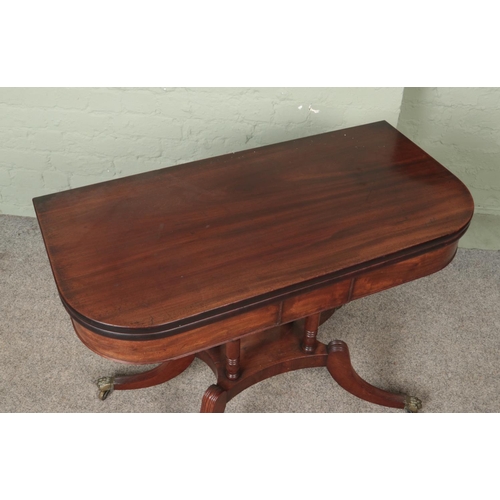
(103,395)
(412,404)
(105,385)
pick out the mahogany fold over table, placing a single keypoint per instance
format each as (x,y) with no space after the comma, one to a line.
(239,259)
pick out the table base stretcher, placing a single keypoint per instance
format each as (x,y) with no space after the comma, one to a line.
(244,362)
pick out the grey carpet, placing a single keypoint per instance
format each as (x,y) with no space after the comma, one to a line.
(437,338)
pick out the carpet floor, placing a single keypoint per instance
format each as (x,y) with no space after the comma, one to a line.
(437,338)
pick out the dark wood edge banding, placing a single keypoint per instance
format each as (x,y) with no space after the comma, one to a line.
(195,340)
(209,317)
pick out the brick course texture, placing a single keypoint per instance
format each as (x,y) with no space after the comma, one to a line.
(53,139)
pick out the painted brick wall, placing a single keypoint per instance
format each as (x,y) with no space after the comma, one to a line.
(53,139)
(460,127)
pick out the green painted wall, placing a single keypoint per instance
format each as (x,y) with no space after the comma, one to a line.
(53,139)
(460,127)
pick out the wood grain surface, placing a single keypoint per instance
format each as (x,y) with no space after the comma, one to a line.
(155,254)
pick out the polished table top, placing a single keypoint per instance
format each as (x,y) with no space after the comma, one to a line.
(156,253)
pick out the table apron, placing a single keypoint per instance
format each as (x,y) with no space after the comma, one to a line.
(266,317)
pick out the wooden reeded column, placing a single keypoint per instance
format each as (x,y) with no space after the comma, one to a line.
(233,370)
(311,325)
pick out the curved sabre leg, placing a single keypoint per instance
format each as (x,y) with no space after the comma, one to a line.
(340,367)
(214,400)
(158,375)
